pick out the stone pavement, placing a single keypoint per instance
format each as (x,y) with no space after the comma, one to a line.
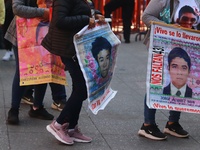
(114,128)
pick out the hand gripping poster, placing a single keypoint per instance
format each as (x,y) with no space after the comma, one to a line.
(97,52)
(36,64)
(173,75)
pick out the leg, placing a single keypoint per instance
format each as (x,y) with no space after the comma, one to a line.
(39,93)
(69,116)
(17,90)
(28,96)
(127,14)
(149,114)
(174,116)
(58,92)
(149,128)
(58,95)
(38,110)
(17,93)
(72,109)
(110,7)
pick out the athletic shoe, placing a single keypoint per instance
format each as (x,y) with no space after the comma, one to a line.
(78,136)
(60,133)
(152,132)
(8,56)
(40,113)
(176,130)
(58,106)
(13,116)
(28,100)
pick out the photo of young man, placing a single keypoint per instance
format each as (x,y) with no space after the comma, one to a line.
(179,64)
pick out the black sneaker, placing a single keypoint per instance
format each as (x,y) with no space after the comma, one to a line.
(58,105)
(152,132)
(28,100)
(13,116)
(40,113)
(176,130)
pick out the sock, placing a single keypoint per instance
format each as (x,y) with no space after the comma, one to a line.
(34,108)
(57,124)
(70,130)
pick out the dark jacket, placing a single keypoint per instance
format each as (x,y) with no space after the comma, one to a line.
(69,17)
(188,92)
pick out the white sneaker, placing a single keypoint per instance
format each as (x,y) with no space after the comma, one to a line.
(8,56)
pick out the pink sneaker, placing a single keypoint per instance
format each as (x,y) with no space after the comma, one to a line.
(60,133)
(78,136)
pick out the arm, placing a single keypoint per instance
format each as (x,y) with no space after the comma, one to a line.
(2,12)
(21,10)
(152,11)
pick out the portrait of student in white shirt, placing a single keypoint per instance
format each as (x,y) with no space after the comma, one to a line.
(179,64)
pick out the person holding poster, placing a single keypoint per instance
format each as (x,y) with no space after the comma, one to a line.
(68,18)
(25,9)
(170,12)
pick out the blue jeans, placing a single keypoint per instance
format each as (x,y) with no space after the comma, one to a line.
(71,111)
(18,91)
(149,115)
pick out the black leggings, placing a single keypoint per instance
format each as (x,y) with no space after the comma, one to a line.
(71,111)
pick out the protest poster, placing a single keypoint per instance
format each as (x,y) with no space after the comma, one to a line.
(173,75)
(36,64)
(96,50)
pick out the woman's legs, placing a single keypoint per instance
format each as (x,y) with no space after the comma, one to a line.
(17,93)
(69,116)
(72,109)
(17,90)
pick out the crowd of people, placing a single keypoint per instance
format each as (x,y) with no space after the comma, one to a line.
(80,13)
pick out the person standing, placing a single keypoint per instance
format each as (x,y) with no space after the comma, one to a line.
(25,9)
(127,14)
(164,11)
(68,18)
(2,20)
